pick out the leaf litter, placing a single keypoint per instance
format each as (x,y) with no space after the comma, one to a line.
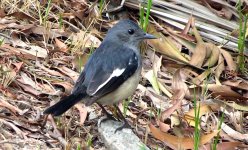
(42,54)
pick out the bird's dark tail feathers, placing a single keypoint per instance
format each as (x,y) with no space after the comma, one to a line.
(64,104)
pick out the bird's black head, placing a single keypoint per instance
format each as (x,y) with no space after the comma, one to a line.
(127,32)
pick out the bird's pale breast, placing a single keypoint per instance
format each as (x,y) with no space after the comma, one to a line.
(122,92)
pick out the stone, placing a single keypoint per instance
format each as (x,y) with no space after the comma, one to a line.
(123,139)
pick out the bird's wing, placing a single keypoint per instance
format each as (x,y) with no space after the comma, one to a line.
(79,87)
(106,72)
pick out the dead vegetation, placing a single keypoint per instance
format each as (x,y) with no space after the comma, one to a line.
(191,81)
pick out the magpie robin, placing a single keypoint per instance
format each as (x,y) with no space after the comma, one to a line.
(112,72)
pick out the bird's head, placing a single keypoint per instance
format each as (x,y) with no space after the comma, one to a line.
(127,32)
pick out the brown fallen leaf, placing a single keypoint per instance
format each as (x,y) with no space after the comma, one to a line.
(165,46)
(233,133)
(49,71)
(8,74)
(85,39)
(56,133)
(70,73)
(179,89)
(178,82)
(195,31)
(22,16)
(128,113)
(164,89)
(14,25)
(8,93)
(177,102)
(82,113)
(163,126)
(219,69)
(2,13)
(200,78)
(241,84)
(225,92)
(175,142)
(151,75)
(28,88)
(4,103)
(190,116)
(51,33)
(34,87)
(199,55)
(18,131)
(18,66)
(32,53)
(157,100)
(66,85)
(214,56)
(62,46)
(229,60)
(225,146)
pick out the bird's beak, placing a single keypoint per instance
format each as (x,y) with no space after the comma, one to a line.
(149,36)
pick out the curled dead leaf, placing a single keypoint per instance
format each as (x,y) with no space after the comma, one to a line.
(219,69)
(178,82)
(175,142)
(164,45)
(62,46)
(199,55)
(190,116)
(229,60)
(234,134)
(214,55)
(200,78)
(225,92)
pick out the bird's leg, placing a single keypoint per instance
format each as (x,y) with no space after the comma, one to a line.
(125,125)
(109,116)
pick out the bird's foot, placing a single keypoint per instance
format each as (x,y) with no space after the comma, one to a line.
(108,117)
(125,125)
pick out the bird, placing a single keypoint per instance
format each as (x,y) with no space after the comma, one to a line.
(112,72)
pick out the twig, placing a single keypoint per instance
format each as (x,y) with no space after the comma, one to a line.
(116,8)
(7,141)
(15,128)
(56,134)
(12,108)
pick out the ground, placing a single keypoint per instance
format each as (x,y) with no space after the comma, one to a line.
(193,91)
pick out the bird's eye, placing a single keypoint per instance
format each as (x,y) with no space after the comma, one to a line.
(131,31)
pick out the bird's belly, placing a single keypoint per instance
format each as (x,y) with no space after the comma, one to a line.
(122,92)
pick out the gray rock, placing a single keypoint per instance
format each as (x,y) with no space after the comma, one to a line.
(123,139)
(92,113)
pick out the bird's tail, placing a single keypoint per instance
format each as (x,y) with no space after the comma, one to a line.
(64,104)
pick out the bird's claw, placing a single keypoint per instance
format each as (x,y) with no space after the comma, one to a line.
(125,125)
(108,117)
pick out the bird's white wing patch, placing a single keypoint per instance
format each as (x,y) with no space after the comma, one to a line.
(116,73)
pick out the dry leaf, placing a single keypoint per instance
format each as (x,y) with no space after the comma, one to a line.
(229,60)
(219,69)
(214,56)
(225,146)
(70,73)
(62,46)
(175,142)
(225,92)
(177,102)
(190,116)
(199,55)
(200,78)
(234,134)
(165,46)
(178,82)
(82,112)
(241,84)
